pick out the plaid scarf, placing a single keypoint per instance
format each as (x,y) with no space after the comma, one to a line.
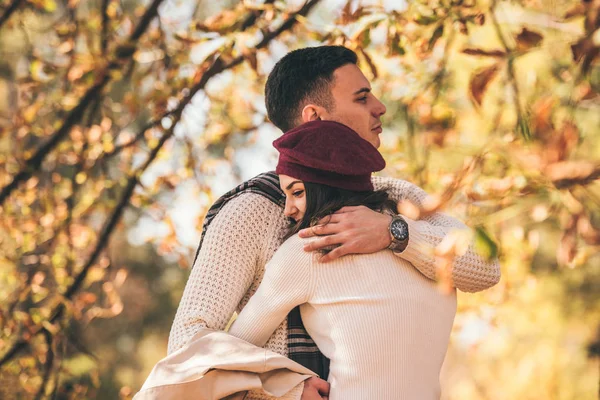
(301,347)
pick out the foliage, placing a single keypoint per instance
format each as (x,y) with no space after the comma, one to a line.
(112,112)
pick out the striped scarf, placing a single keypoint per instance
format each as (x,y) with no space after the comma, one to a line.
(301,347)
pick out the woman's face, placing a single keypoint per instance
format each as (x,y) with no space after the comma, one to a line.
(295,197)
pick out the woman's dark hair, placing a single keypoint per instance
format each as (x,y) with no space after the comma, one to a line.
(324,200)
(303,75)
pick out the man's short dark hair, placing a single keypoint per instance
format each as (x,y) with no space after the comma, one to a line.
(301,76)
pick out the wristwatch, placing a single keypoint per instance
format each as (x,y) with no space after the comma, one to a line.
(399,234)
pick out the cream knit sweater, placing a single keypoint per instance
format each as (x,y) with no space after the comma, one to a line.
(384,325)
(246,233)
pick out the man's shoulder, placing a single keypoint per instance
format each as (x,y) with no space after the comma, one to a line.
(383,182)
(399,189)
(248,211)
(249,201)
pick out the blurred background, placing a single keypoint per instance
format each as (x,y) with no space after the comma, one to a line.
(122,121)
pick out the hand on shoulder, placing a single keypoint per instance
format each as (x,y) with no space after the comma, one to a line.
(354,230)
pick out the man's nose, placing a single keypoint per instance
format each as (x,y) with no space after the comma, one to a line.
(379,108)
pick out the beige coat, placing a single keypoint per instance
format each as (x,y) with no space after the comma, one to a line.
(216,365)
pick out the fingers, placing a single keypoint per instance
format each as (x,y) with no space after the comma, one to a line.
(326,226)
(323,242)
(334,254)
(320,230)
(348,209)
(322,386)
(308,232)
(315,388)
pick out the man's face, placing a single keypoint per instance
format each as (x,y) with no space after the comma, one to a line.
(355,105)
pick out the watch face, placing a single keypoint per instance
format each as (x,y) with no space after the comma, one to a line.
(399,229)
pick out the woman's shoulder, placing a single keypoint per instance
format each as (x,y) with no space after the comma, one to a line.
(295,243)
(292,250)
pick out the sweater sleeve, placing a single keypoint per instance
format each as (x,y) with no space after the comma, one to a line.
(470,272)
(287,283)
(225,267)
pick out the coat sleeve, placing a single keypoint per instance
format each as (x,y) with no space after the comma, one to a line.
(225,267)
(470,272)
(287,283)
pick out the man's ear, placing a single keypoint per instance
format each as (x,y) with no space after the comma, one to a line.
(311,112)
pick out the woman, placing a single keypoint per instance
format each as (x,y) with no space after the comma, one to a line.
(384,326)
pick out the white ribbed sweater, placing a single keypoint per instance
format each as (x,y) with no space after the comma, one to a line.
(246,233)
(384,326)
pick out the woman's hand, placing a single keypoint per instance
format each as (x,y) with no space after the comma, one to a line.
(355,230)
(315,389)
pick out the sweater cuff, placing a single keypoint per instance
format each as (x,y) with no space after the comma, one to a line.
(418,251)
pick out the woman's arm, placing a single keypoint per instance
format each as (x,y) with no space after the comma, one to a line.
(287,283)
(225,268)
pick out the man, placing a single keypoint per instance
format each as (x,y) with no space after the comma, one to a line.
(245,227)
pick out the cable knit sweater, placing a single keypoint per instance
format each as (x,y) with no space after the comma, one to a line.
(384,325)
(249,229)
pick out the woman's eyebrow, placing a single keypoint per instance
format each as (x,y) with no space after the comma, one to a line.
(288,187)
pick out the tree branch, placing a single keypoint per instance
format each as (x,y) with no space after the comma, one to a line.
(104,31)
(47,365)
(124,52)
(14,6)
(248,22)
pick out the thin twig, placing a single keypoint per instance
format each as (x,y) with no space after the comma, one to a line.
(151,124)
(510,69)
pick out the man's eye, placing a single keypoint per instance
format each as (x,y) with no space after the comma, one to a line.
(362,99)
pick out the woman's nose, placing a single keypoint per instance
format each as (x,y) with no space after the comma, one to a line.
(289,210)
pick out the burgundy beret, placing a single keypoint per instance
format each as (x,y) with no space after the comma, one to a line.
(329,153)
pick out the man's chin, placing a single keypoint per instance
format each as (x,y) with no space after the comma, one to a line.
(376,142)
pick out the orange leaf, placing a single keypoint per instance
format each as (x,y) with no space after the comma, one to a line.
(576,11)
(479,82)
(527,39)
(570,170)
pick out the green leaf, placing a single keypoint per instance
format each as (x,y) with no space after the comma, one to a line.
(524,129)
(484,244)
(437,34)
(366,38)
(426,19)
(396,47)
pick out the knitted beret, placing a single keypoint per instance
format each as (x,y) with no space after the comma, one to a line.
(328,153)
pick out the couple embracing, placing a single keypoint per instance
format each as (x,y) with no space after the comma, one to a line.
(335,290)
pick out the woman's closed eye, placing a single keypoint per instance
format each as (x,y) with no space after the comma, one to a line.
(298,193)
